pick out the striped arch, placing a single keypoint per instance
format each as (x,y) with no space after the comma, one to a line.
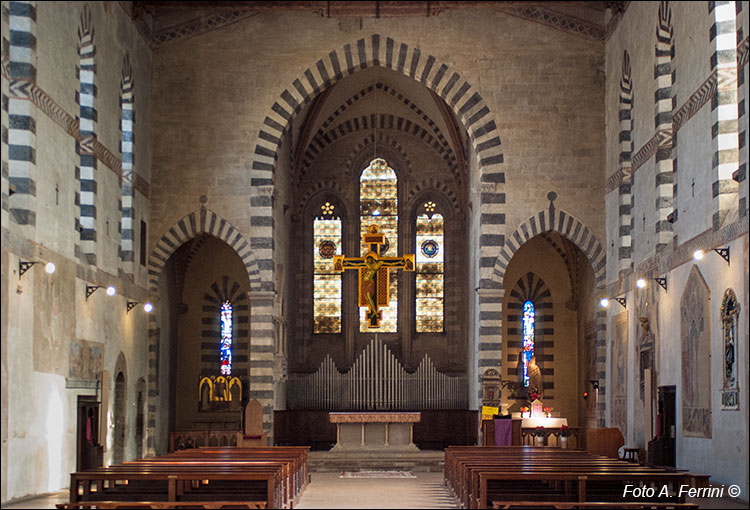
(202,221)
(383,140)
(531,287)
(384,88)
(429,185)
(383,121)
(440,77)
(198,222)
(665,105)
(580,235)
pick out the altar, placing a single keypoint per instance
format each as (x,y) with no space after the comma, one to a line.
(375,430)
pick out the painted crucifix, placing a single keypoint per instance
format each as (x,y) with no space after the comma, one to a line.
(373,273)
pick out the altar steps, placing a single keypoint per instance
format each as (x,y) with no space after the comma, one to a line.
(427,461)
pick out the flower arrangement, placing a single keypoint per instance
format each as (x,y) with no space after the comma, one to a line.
(524,410)
(539,432)
(534,396)
(564,431)
(547,411)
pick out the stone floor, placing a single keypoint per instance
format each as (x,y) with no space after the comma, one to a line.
(327,490)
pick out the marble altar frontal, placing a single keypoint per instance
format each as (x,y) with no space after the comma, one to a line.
(387,431)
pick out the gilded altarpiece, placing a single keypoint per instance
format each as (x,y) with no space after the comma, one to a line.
(620,372)
(696,357)
(730,313)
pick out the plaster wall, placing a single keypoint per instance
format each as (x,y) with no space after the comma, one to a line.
(47,318)
(717,455)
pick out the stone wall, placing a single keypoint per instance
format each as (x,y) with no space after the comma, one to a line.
(56,343)
(695,124)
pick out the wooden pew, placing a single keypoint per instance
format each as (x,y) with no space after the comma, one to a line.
(547,473)
(297,475)
(564,505)
(175,483)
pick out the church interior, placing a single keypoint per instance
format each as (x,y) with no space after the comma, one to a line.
(421,227)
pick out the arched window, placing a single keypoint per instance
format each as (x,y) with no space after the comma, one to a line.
(528,339)
(430,260)
(226,338)
(378,205)
(326,282)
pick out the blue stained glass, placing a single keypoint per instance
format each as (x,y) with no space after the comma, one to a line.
(226,338)
(528,339)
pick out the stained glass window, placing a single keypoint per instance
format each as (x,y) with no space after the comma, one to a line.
(430,261)
(378,205)
(528,339)
(226,338)
(326,282)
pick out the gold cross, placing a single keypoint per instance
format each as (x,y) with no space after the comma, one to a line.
(373,273)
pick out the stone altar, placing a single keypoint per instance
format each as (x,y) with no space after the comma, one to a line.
(375,430)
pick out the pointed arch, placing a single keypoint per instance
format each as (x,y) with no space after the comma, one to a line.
(579,234)
(566,225)
(376,50)
(202,221)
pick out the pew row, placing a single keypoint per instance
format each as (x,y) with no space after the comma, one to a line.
(479,475)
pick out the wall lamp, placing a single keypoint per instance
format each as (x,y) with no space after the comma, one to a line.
(662,282)
(723,253)
(24,266)
(90,289)
(604,303)
(147,307)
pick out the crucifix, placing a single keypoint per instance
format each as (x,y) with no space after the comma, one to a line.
(373,273)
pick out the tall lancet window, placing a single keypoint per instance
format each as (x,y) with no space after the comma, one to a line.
(528,339)
(326,282)
(378,205)
(430,270)
(226,338)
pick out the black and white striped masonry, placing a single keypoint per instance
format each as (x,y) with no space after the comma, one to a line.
(550,219)
(87,123)
(127,139)
(375,50)
(531,287)
(665,105)
(724,111)
(743,49)
(625,251)
(22,61)
(198,222)
(439,77)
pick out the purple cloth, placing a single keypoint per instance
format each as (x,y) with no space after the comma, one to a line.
(503,432)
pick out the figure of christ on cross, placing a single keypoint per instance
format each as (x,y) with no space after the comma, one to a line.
(373,274)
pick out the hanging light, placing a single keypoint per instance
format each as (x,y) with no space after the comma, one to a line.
(640,283)
(604,303)
(148,307)
(111,290)
(50,267)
